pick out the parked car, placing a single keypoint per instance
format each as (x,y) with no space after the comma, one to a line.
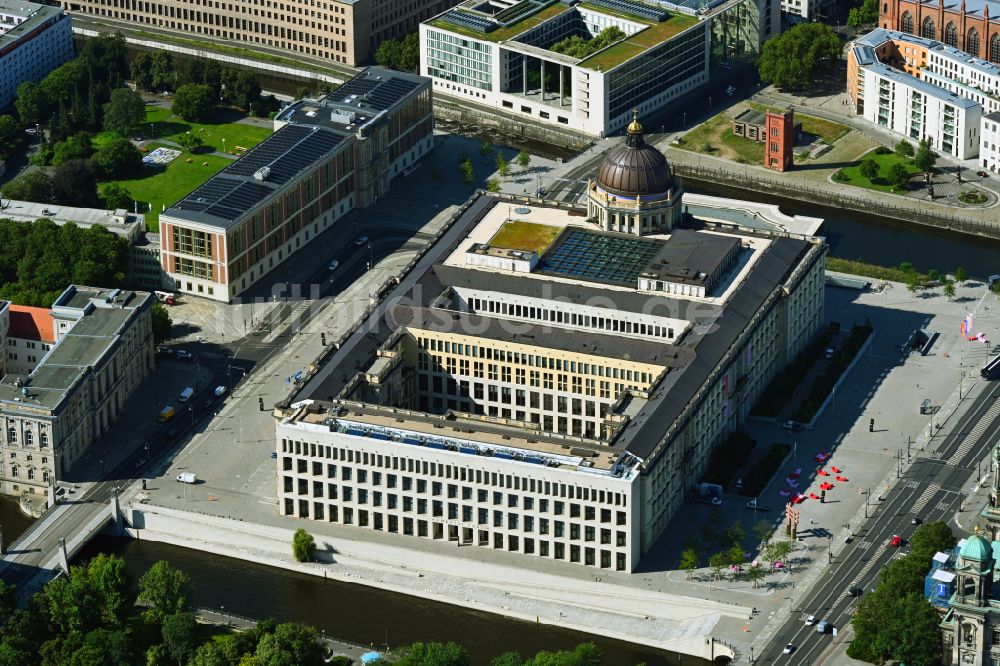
(983,174)
(756,505)
(220,391)
(185,354)
(165,350)
(896,541)
(361,240)
(828,353)
(794,426)
(274,454)
(333,265)
(788,649)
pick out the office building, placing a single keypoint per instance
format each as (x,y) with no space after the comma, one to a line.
(341,31)
(555,381)
(325,158)
(909,86)
(966,26)
(102,351)
(30,336)
(34,40)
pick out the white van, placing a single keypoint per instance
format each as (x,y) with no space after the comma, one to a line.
(187,477)
(186,394)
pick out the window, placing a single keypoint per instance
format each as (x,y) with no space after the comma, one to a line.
(972,42)
(951,34)
(995,48)
(906,23)
(927,30)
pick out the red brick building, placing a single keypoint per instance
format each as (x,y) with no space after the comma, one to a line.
(972,26)
(779,141)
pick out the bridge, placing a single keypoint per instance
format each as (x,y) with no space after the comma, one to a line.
(46,548)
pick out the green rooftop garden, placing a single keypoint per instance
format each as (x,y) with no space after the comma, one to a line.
(654,35)
(526,236)
(502,34)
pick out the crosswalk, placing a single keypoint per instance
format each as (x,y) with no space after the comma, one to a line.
(868,566)
(925,497)
(976,432)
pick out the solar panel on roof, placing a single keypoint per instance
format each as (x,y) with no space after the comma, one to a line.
(469,21)
(637,8)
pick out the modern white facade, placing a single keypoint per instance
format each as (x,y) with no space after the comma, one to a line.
(989,145)
(906,105)
(807,10)
(34,40)
(499,60)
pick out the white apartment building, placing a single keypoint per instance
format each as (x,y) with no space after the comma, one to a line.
(34,40)
(799,11)
(989,145)
(913,108)
(552,406)
(103,351)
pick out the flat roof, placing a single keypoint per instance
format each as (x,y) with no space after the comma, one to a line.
(599,256)
(880,36)
(31,13)
(995,116)
(361,100)
(265,169)
(119,222)
(98,329)
(470,433)
(926,88)
(691,256)
(539,335)
(655,32)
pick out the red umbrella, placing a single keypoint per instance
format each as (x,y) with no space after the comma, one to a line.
(836,470)
(842,479)
(822,472)
(814,495)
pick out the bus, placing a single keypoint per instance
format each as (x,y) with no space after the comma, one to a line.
(992,369)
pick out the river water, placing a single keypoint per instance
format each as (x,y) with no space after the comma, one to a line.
(361,614)
(12,520)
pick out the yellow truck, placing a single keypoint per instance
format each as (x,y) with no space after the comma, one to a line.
(166,414)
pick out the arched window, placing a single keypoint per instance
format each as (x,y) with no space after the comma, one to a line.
(972,42)
(29,438)
(12,435)
(31,473)
(43,438)
(13,470)
(995,48)
(885,8)
(927,31)
(951,35)
(906,23)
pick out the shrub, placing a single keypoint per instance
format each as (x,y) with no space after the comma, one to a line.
(760,474)
(882,150)
(729,457)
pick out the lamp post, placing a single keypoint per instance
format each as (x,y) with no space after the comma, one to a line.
(223,144)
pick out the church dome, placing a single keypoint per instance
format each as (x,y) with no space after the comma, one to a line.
(976,548)
(635,169)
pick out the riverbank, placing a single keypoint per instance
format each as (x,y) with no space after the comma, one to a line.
(595,605)
(811,183)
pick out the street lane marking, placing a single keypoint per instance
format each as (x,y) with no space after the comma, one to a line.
(977,431)
(925,497)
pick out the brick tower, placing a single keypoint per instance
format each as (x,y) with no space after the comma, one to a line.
(780,140)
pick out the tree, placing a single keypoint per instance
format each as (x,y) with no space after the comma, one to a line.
(523,159)
(118,158)
(913,283)
(190,142)
(689,561)
(995,288)
(243,90)
(193,102)
(502,165)
(388,53)
(485,147)
(869,169)
(468,171)
(493,185)
(866,14)
(77,147)
(290,644)
(8,600)
(904,149)
(400,54)
(925,157)
(778,551)
(930,538)
(33,106)
(507,659)
(763,530)
(754,574)
(161,70)
(718,562)
(115,196)
(898,175)
(10,134)
(162,323)
(303,546)
(103,647)
(792,59)
(165,590)
(576,46)
(948,288)
(74,184)
(89,595)
(902,628)
(125,110)
(32,186)
(584,654)
(961,275)
(736,534)
(141,70)
(180,637)
(435,654)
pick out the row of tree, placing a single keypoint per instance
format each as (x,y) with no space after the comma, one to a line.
(792,59)
(400,54)
(895,622)
(452,654)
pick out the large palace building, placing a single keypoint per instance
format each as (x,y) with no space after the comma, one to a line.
(552,380)
(970,25)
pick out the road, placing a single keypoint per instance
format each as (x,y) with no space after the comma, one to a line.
(932,489)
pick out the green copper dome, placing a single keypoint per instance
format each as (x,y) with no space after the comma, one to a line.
(976,548)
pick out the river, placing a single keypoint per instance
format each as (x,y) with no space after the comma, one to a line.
(880,240)
(12,521)
(363,614)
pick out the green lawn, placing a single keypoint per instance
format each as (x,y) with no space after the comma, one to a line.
(854,177)
(708,131)
(160,187)
(526,236)
(165,125)
(750,152)
(827,130)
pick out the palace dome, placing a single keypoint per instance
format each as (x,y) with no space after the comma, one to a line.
(976,548)
(635,169)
